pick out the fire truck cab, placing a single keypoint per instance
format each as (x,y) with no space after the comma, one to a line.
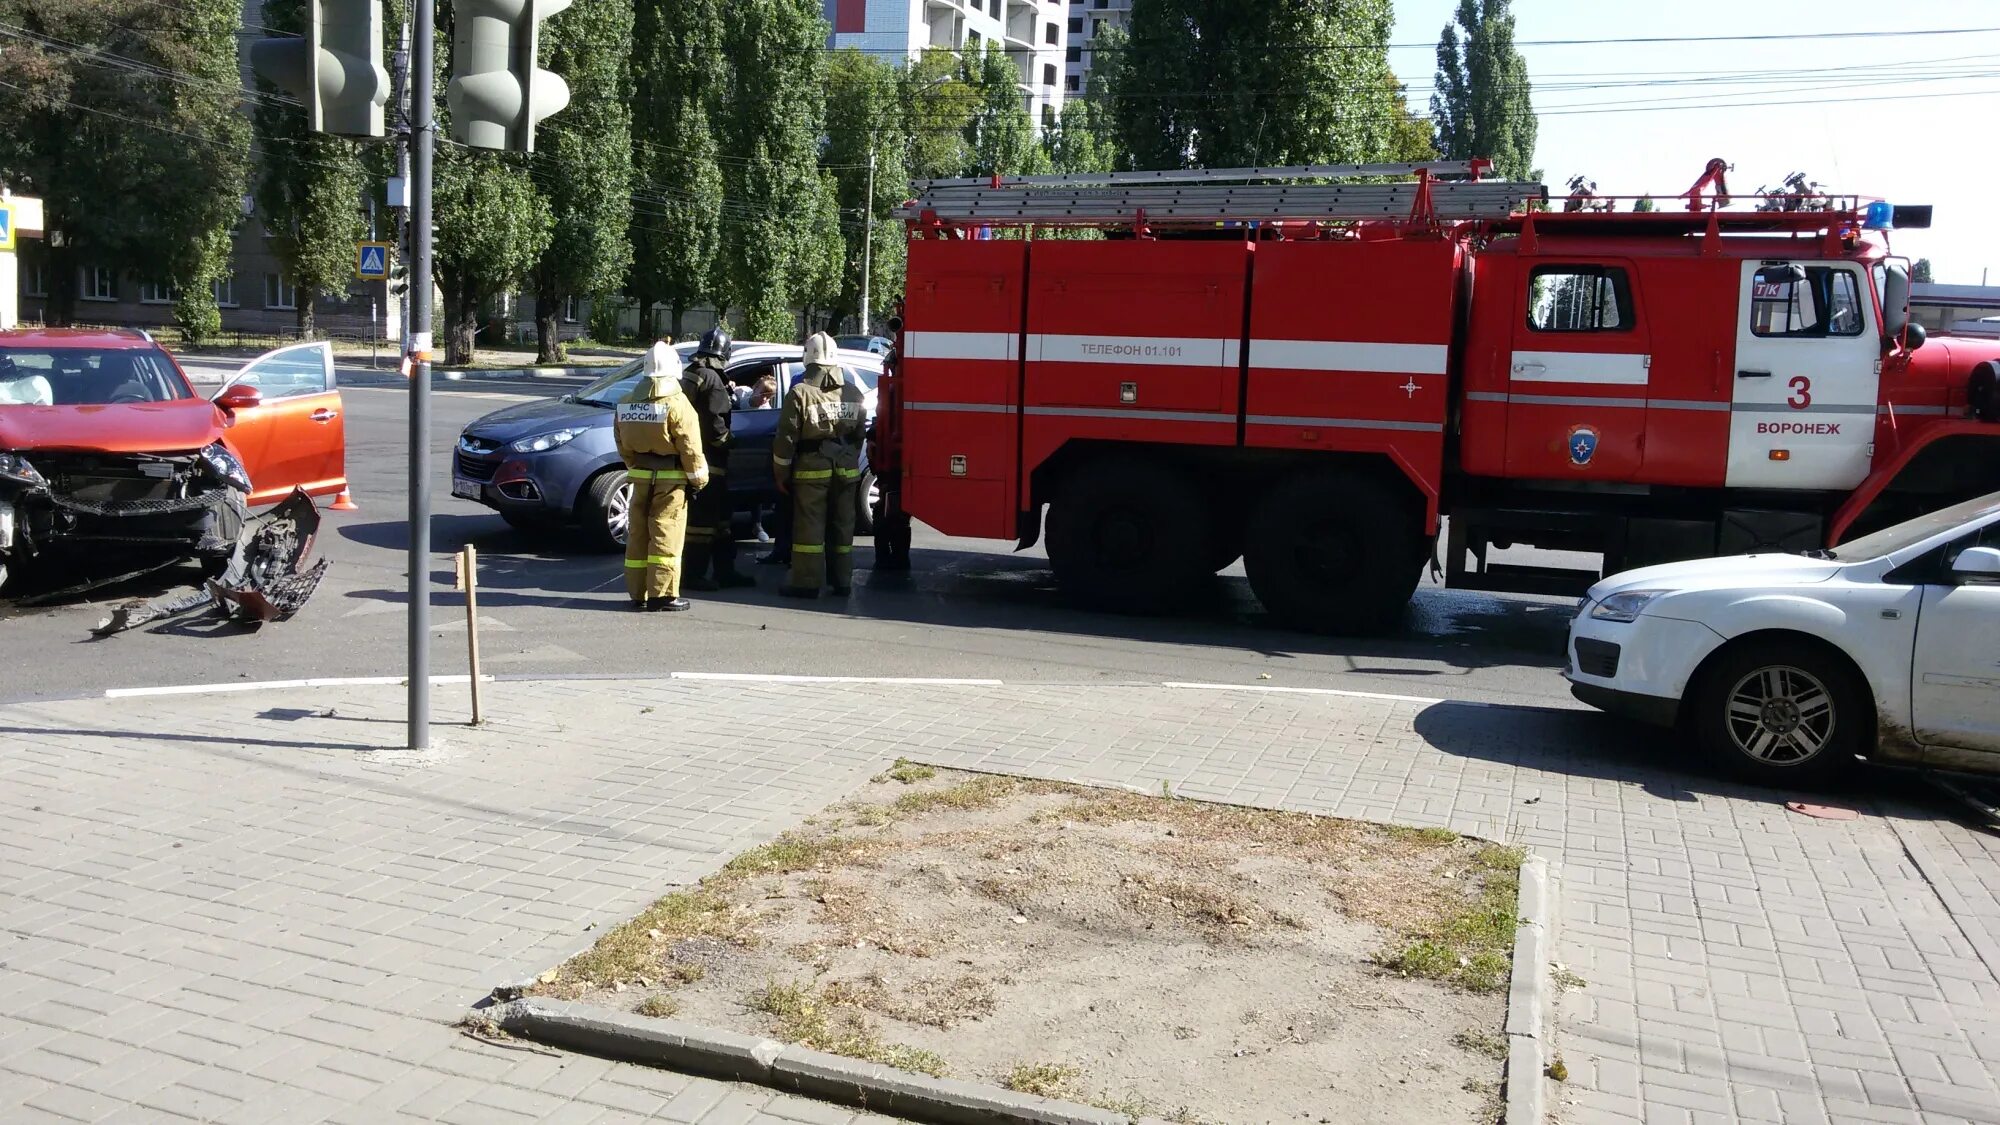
(1327,379)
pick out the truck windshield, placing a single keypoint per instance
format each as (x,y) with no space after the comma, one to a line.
(86,377)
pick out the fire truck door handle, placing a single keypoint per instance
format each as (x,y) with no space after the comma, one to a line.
(1753,374)
(1525,368)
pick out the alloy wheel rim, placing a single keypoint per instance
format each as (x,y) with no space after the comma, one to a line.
(1780,715)
(618,516)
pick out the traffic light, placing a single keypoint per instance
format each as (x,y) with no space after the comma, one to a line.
(497,94)
(335,68)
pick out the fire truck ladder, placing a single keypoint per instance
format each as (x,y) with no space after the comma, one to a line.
(1209,195)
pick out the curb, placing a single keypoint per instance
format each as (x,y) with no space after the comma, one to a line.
(797,1070)
(1528,999)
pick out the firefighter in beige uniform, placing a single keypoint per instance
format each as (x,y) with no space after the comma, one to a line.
(817,457)
(659,437)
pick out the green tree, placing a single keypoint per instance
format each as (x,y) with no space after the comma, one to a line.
(773,191)
(1000,134)
(1221,83)
(1921,271)
(937,109)
(1643,205)
(583,163)
(123,116)
(1483,107)
(492,223)
(1081,139)
(864,124)
(679,79)
(309,186)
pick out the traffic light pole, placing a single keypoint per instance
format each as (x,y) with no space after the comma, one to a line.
(423,129)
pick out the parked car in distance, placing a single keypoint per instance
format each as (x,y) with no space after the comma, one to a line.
(876,345)
(1784,667)
(109,457)
(553,462)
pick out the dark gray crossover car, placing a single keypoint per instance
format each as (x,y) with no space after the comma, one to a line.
(552,462)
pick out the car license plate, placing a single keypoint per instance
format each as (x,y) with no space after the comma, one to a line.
(465,489)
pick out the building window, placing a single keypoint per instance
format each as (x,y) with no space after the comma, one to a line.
(1051,34)
(1076,27)
(1048,117)
(35,281)
(1579,299)
(279,293)
(1075,53)
(972,39)
(99,284)
(157,293)
(1048,74)
(225,292)
(1074,83)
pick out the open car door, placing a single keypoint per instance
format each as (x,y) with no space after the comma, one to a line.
(295,436)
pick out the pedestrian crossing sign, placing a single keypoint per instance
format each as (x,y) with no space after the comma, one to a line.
(6,228)
(371,261)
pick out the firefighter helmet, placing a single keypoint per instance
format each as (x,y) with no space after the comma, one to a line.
(714,342)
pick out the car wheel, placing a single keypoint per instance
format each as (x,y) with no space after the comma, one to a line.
(1782,714)
(1124,536)
(865,502)
(1334,553)
(606,510)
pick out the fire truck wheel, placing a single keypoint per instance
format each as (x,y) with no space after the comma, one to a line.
(1334,554)
(1781,713)
(1123,536)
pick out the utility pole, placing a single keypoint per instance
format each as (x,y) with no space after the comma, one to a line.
(423,127)
(868,236)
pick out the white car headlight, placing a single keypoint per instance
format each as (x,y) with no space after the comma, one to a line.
(541,443)
(1624,606)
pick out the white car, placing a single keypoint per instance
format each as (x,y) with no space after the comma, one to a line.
(1785,667)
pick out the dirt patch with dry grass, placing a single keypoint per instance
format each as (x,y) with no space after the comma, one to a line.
(1150,955)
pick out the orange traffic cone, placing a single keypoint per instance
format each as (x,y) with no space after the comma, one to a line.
(344,502)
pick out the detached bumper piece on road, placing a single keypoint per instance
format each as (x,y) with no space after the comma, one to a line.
(267,578)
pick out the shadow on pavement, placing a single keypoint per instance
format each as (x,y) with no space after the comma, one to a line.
(1462,630)
(1663,763)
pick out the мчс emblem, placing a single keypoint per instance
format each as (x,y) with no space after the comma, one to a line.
(1582,445)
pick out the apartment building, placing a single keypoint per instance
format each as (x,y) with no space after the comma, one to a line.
(1032,32)
(1086,20)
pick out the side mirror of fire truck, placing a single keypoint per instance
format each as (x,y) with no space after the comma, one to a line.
(1896,310)
(1914,336)
(895,325)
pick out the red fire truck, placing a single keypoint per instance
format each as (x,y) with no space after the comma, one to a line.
(1318,369)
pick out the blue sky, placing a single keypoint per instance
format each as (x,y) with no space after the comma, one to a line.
(1907,118)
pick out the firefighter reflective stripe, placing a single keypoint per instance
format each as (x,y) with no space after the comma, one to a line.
(1611,369)
(808,549)
(636,564)
(813,474)
(1350,355)
(847,474)
(656,474)
(843,549)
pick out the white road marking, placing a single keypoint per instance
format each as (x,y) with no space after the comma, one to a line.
(777,678)
(1423,699)
(267,685)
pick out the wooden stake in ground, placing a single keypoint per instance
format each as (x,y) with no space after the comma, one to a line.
(468,580)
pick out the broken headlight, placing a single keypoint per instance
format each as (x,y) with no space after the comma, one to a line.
(223,466)
(14,467)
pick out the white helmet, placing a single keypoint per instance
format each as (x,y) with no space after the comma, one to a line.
(820,349)
(662,361)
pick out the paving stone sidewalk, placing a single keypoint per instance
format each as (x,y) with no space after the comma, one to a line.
(258,915)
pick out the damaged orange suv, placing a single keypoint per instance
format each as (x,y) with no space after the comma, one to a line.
(110,461)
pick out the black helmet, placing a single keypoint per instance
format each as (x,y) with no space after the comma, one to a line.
(714,342)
